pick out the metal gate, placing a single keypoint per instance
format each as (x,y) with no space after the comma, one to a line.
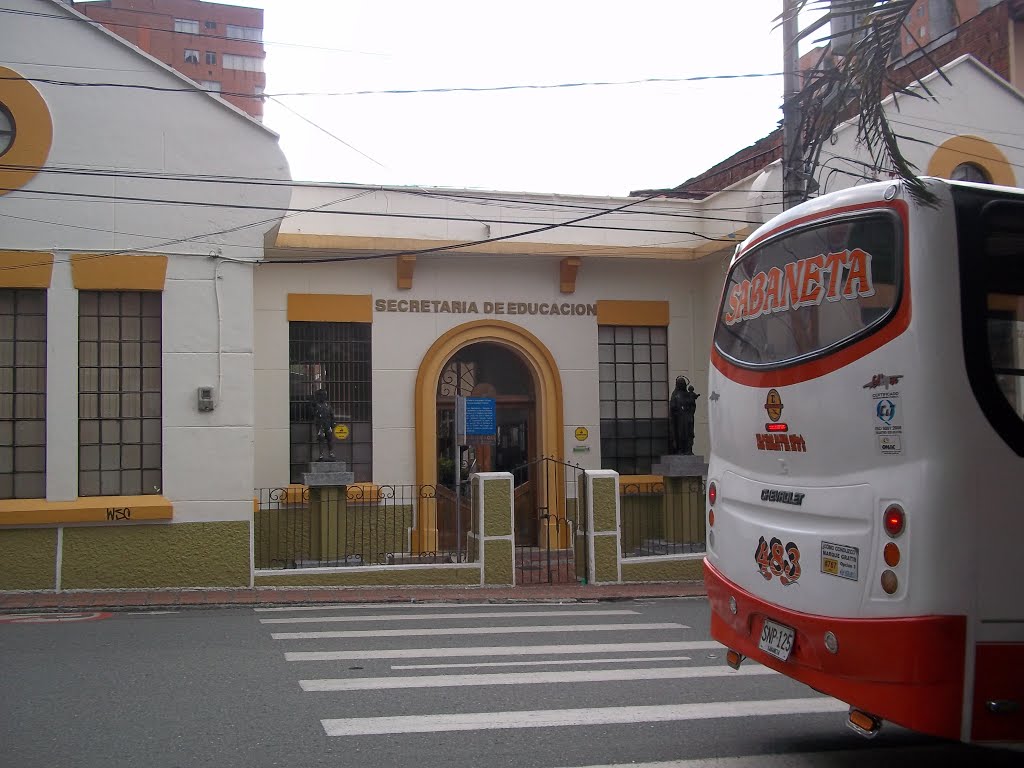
(548,509)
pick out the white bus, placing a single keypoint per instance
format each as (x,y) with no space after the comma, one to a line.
(866,481)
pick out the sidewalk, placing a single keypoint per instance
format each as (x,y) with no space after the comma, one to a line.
(115,600)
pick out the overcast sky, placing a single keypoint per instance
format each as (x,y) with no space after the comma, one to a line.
(601,140)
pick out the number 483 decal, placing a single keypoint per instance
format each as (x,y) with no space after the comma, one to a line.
(773,559)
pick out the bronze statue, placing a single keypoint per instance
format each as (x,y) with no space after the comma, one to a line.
(323,423)
(681,407)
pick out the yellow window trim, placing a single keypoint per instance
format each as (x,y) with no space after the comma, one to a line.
(330,308)
(123,510)
(118,272)
(973,150)
(33,131)
(25,269)
(615,312)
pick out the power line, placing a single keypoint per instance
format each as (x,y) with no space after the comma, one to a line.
(86,196)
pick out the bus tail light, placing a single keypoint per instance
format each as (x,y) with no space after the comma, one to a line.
(711,518)
(895,520)
(889,582)
(891,553)
(712,494)
(734,659)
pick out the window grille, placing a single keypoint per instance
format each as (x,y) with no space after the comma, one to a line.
(334,357)
(22,394)
(633,382)
(120,390)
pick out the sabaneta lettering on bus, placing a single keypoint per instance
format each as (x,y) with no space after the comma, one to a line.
(803,283)
(782,497)
(780,442)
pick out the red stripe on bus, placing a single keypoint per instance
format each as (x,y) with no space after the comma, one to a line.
(998,678)
(909,671)
(898,323)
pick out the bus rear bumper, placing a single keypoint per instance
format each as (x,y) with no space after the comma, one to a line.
(909,671)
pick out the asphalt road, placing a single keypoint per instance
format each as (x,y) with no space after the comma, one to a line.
(430,686)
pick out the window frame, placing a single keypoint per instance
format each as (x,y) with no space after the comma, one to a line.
(15,420)
(618,429)
(186,26)
(869,329)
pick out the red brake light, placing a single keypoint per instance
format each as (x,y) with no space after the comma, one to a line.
(712,494)
(894,520)
(778,427)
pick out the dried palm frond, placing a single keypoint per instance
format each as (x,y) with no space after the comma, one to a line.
(856,82)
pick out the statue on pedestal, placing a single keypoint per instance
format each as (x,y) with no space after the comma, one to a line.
(323,424)
(681,407)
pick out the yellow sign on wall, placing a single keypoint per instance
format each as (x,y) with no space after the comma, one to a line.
(582,433)
(341,431)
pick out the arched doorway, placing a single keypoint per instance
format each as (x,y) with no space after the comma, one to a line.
(490,370)
(544,434)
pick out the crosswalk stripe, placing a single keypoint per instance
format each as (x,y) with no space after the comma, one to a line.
(354,633)
(407,605)
(854,758)
(527,678)
(430,616)
(556,718)
(544,663)
(501,650)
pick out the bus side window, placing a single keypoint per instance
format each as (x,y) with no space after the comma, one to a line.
(1004,270)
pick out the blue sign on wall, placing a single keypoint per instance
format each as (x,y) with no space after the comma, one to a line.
(481,416)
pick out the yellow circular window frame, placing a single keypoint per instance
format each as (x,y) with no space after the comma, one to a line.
(33,131)
(976,151)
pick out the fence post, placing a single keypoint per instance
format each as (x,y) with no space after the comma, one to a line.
(492,492)
(604,557)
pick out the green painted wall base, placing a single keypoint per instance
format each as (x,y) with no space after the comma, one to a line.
(28,558)
(393,576)
(498,570)
(212,554)
(663,570)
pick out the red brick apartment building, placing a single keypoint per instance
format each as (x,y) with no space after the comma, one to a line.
(219,46)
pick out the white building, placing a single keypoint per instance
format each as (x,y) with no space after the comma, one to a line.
(126,284)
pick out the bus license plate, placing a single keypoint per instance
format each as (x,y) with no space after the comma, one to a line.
(776,639)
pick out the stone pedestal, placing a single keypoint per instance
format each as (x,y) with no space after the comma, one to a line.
(683,511)
(328,483)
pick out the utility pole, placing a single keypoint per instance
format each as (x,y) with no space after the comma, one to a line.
(792,141)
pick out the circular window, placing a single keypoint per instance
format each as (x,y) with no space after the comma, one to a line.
(970,172)
(6,129)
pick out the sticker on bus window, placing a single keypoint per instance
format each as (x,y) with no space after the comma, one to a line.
(773,559)
(839,560)
(888,418)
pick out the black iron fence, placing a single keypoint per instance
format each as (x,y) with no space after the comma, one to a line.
(662,518)
(364,524)
(546,519)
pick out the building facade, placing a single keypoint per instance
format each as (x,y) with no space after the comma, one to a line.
(125,296)
(219,46)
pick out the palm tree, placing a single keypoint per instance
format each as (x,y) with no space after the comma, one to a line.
(860,45)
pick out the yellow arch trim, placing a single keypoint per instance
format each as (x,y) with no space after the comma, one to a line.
(33,131)
(547,385)
(972,149)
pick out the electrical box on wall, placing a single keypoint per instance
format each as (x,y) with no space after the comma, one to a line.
(206,399)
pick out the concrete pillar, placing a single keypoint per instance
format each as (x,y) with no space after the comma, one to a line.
(493,501)
(604,556)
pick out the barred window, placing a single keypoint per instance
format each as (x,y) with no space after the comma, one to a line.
(22,394)
(334,357)
(633,380)
(119,393)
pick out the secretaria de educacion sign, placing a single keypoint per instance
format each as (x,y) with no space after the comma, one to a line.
(461,307)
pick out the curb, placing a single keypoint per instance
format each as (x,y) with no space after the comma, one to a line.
(135,600)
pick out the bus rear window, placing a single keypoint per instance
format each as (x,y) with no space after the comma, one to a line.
(810,290)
